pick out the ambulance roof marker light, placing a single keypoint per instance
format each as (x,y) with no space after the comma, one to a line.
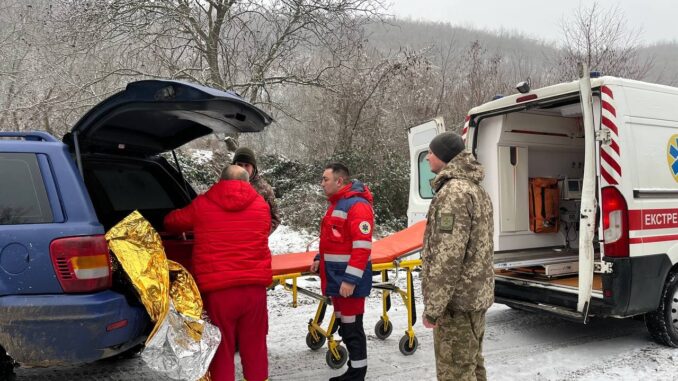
(595,74)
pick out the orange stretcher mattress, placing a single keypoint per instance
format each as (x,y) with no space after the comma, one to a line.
(385,250)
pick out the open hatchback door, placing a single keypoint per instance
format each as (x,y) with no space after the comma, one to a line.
(154,116)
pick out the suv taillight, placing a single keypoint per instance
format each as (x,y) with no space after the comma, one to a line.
(615,223)
(82,264)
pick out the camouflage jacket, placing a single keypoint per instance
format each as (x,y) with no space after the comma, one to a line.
(457,259)
(266,191)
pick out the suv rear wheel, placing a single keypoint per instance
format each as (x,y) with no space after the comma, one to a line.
(663,323)
(7,366)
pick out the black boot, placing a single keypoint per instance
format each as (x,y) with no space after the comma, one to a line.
(340,378)
(352,374)
(356,374)
(354,338)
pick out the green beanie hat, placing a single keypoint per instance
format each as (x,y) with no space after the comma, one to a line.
(245,155)
(447,145)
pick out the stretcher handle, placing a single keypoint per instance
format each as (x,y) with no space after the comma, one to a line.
(308,245)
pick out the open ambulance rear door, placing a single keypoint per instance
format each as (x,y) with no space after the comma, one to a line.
(589,194)
(421,176)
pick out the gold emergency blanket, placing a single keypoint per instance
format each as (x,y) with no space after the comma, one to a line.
(181,344)
(138,248)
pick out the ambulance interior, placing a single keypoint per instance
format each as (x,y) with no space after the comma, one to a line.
(534,163)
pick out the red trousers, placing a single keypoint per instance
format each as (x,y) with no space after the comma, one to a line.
(348,306)
(242,316)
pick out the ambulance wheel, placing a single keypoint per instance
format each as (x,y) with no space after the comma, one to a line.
(405,347)
(382,329)
(313,343)
(335,363)
(663,323)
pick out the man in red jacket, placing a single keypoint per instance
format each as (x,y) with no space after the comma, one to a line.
(344,261)
(232,267)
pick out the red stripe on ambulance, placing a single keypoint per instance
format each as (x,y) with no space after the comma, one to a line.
(610,161)
(607,177)
(609,124)
(659,238)
(607,106)
(464,131)
(606,90)
(610,154)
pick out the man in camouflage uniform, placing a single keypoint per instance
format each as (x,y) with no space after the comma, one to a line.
(457,260)
(244,157)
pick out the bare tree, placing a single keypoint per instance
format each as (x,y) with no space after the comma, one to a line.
(602,38)
(45,83)
(480,77)
(61,57)
(354,111)
(250,45)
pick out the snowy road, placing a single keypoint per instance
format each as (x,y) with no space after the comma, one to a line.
(518,345)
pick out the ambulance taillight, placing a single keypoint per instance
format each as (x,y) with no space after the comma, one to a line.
(615,223)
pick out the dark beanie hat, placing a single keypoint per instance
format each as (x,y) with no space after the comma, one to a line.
(245,155)
(447,145)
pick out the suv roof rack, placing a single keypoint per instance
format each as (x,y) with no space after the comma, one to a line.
(30,135)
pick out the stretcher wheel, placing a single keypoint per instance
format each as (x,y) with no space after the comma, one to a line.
(405,347)
(382,329)
(336,363)
(313,343)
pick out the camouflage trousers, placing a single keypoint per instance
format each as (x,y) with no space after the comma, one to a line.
(458,341)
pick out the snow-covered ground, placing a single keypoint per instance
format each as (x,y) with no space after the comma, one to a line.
(518,344)
(286,240)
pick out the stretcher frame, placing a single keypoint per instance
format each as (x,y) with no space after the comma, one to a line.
(337,355)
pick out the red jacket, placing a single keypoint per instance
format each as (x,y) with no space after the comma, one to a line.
(231,222)
(346,241)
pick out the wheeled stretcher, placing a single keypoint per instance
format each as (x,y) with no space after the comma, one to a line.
(389,255)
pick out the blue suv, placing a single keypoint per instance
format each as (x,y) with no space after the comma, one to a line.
(61,301)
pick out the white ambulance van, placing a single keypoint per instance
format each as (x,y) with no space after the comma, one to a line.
(583,177)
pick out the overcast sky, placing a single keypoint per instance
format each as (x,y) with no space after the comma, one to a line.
(540,18)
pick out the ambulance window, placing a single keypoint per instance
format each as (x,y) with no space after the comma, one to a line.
(425,177)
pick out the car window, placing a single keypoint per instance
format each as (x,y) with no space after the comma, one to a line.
(425,177)
(24,200)
(131,189)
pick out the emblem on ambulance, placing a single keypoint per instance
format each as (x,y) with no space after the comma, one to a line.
(365,227)
(672,156)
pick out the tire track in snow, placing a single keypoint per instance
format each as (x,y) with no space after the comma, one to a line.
(652,361)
